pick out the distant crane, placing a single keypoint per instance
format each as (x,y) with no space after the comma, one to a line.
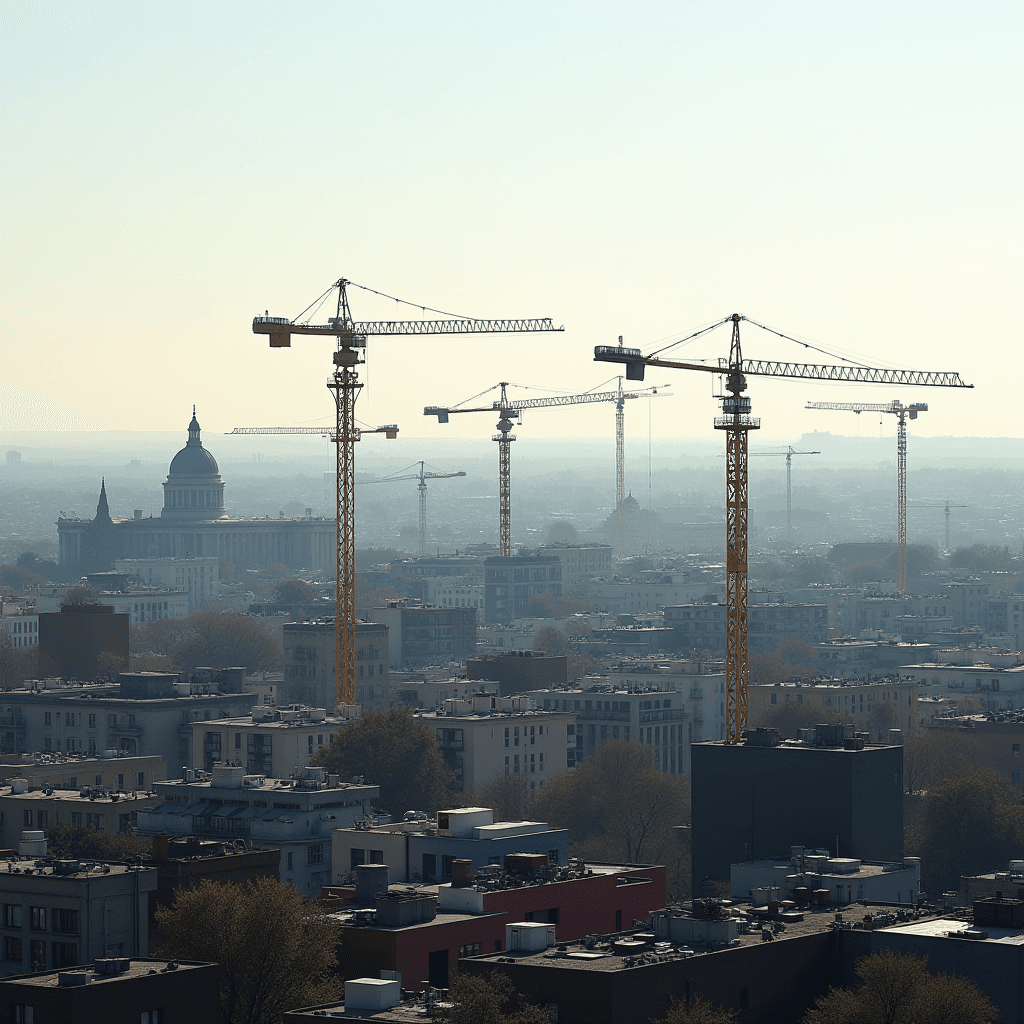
(737,423)
(422,477)
(947,507)
(789,452)
(898,409)
(509,410)
(350,336)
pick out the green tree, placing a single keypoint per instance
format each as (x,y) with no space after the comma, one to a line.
(972,823)
(80,842)
(294,592)
(16,663)
(396,751)
(211,636)
(508,795)
(276,950)
(17,579)
(983,558)
(473,999)
(617,804)
(701,1011)
(896,988)
(550,641)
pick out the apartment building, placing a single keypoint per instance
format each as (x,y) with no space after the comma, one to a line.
(484,736)
(702,626)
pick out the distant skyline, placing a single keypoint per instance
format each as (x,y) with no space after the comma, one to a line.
(847,175)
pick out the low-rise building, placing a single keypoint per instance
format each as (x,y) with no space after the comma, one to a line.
(82,640)
(309,650)
(61,913)
(21,626)
(483,737)
(456,592)
(93,719)
(25,806)
(1004,617)
(997,687)
(520,671)
(269,741)
(296,816)
(115,990)
(423,634)
(197,578)
(424,936)
(421,849)
(873,707)
(665,719)
(807,874)
(429,693)
(185,862)
(702,626)
(114,771)
(147,604)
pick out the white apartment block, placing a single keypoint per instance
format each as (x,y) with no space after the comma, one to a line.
(148,605)
(22,627)
(483,736)
(199,578)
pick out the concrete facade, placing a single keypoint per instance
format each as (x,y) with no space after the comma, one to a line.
(427,635)
(309,652)
(702,626)
(114,771)
(483,737)
(425,849)
(198,578)
(63,913)
(509,583)
(296,816)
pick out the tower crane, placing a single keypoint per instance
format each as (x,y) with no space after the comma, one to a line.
(789,452)
(350,341)
(423,477)
(947,506)
(512,409)
(737,423)
(898,409)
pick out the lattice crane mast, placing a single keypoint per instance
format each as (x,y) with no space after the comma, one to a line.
(895,408)
(947,506)
(509,410)
(350,341)
(422,477)
(789,452)
(737,423)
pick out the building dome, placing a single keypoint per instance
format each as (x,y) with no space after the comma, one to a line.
(194,488)
(193,459)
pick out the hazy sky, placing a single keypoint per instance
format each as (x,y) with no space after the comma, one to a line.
(848,173)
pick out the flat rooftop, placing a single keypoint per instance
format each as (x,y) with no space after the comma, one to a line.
(941,927)
(65,868)
(138,968)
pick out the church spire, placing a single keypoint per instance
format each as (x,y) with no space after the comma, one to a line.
(193,430)
(102,509)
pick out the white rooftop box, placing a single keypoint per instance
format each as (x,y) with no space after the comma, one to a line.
(502,829)
(461,821)
(529,935)
(372,993)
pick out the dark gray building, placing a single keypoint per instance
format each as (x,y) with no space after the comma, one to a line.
(702,626)
(755,799)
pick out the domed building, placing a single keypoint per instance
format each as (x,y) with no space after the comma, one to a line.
(194,489)
(194,524)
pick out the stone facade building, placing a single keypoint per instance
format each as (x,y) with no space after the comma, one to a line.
(194,524)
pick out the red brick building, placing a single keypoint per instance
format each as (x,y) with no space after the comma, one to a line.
(406,931)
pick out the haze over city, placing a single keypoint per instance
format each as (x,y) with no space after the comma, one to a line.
(701,703)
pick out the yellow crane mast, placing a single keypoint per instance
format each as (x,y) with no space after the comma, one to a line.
(509,410)
(898,409)
(350,342)
(737,423)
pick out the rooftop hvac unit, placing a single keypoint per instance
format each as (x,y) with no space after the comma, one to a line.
(529,936)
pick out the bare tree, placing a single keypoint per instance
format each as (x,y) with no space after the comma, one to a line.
(508,795)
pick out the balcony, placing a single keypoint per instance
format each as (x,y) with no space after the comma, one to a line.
(451,744)
(668,715)
(697,693)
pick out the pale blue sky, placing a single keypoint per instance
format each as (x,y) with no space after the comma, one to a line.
(849,173)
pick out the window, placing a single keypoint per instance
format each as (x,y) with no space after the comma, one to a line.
(47,718)
(289,860)
(76,817)
(472,949)
(64,922)
(152,1016)
(238,741)
(27,818)
(142,780)
(1016,750)
(12,949)
(1016,778)
(37,950)
(506,741)
(23,1013)
(92,721)
(37,919)
(12,915)
(42,818)
(315,853)
(775,698)
(64,954)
